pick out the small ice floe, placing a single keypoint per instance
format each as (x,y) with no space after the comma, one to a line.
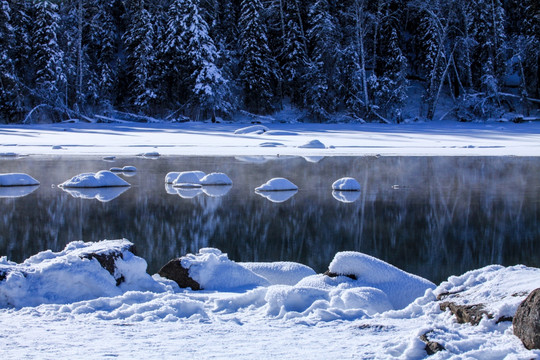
(125,169)
(313,159)
(102,194)
(17,191)
(57,147)
(277,184)
(255,129)
(216,179)
(216,190)
(17,179)
(109,158)
(346,196)
(277,196)
(271,144)
(102,178)
(186,179)
(153,155)
(313,144)
(346,184)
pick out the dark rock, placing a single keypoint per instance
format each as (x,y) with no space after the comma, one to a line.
(432,347)
(174,270)
(466,313)
(3,274)
(527,321)
(108,260)
(333,275)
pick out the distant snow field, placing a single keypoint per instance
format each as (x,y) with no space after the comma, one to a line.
(444,138)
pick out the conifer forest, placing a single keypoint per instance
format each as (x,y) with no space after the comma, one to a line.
(208,59)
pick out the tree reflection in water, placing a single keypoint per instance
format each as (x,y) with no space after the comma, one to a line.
(432,216)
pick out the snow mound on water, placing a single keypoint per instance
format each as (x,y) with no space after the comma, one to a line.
(17,179)
(400,287)
(102,178)
(213,270)
(346,184)
(277,184)
(127,168)
(255,129)
(188,179)
(70,276)
(173,175)
(216,179)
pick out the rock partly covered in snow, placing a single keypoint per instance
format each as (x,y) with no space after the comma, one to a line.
(124,169)
(346,184)
(313,144)
(255,129)
(81,271)
(400,287)
(187,178)
(210,269)
(17,179)
(216,179)
(102,178)
(277,184)
(527,321)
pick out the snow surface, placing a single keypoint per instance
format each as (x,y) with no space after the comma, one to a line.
(216,179)
(249,310)
(346,184)
(277,184)
(186,178)
(255,129)
(436,138)
(313,144)
(17,179)
(103,178)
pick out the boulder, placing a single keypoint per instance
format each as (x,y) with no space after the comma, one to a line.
(527,321)
(174,270)
(466,313)
(432,347)
(107,260)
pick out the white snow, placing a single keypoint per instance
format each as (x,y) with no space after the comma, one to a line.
(437,138)
(277,184)
(346,184)
(313,144)
(185,178)
(255,129)
(102,178)
(216,179)
(249,310)
(17,179)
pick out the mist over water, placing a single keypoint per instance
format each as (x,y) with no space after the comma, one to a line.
(432,216)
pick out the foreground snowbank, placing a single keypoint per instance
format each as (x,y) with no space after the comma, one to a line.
(104,285)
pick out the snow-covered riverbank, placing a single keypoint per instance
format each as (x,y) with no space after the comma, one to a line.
(422,139)
(67,305)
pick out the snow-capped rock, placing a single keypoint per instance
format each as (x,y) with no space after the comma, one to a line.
(216,179)
(346,184)
(17,179)
(102,178)
(313,144)
(277,184)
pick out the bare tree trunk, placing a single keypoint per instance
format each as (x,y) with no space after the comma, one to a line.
(79,80)
(360,45)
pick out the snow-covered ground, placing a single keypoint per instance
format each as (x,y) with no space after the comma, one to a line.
(65,305)
(71,308)
(435,138)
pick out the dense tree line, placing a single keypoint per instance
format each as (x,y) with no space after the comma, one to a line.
(209,58)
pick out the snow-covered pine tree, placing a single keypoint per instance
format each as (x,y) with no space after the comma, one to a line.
(10,96)
(140,56)
(208,89)
(488,58)
(47,55)
(258,67)
(322,33)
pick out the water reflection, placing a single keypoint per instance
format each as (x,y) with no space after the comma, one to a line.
(17,191)
(447,216)
(277,196)
(103,194)
(346,196)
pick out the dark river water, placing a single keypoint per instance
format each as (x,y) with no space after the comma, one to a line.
(431,216)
